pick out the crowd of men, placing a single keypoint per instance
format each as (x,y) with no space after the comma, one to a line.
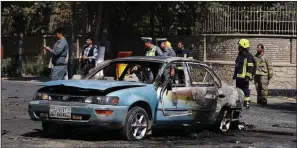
(165,49)
(247,66)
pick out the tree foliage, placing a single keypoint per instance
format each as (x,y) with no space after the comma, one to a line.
(112,18)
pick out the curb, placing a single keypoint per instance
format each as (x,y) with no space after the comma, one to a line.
(26,79)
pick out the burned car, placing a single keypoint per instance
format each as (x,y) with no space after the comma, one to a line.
(136,95)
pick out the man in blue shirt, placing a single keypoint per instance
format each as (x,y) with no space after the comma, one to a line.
(59,55)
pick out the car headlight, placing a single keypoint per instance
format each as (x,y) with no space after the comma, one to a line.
(41,96)
(102,100)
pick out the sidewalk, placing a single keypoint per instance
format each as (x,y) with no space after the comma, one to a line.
(27,79)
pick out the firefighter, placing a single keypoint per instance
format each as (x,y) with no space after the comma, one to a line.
(264,72)
(244,70)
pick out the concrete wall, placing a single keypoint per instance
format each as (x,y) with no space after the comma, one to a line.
(284,76)
(221,51)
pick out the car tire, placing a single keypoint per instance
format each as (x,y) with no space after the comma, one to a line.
(136,124)
(223,122)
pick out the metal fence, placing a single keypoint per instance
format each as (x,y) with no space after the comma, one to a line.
(251,20)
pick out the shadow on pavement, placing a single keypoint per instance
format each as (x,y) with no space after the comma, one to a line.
(79,134)
(163,135)
(286,106)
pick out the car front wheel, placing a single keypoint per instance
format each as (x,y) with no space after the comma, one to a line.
(223,122)
(136,124)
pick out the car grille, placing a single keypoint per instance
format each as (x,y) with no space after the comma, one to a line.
(67,98)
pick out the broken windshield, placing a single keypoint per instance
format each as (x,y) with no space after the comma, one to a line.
(133,71)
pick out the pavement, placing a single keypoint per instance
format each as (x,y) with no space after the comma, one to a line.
(270,126)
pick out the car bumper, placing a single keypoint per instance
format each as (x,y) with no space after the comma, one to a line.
(39,111)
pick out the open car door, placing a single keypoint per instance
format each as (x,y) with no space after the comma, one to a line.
(205,91)
(174,105)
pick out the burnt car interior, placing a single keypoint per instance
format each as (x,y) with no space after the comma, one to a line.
(179,75)
(134,71)
(200,76)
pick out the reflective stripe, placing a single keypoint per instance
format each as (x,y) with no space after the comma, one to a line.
(190,57)
(250,64)
(185,55)
(247,98)
(244,70)
(180,68)
(152,52)
(249,75)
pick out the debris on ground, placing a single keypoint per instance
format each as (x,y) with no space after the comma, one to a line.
(245,127)
(14,97)
(3,132)
(14,138)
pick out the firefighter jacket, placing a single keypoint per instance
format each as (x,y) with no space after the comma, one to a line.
(244,66)
(263,66)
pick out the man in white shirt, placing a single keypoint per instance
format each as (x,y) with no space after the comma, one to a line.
(89,56)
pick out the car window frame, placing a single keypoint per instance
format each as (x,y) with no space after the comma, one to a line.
(185,69)
(208,72)
(215,76)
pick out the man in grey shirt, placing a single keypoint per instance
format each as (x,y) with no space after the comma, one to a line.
(166,49)
(59,55)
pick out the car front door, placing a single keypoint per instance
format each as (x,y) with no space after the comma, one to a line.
(174,106)
(204,91)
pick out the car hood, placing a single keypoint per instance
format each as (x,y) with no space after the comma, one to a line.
(93,84)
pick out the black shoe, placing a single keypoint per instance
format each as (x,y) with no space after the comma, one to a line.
(246,104)
(262,102)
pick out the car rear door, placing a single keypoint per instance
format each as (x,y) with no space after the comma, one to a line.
(204,90)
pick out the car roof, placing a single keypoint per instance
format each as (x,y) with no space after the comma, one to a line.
(160,59)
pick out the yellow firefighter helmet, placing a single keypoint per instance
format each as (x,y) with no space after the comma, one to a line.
(244,43)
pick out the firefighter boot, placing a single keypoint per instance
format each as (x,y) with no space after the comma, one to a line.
(247,102)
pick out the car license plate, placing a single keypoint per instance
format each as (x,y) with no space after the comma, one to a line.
(60,111)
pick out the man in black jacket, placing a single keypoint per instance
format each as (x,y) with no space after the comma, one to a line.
(89,56)
(183,52)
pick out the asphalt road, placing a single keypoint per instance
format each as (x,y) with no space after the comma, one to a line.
(271,126)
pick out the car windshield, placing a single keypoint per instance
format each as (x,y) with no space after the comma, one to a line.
(133,71)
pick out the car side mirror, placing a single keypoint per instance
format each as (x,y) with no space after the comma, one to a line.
(221,94)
